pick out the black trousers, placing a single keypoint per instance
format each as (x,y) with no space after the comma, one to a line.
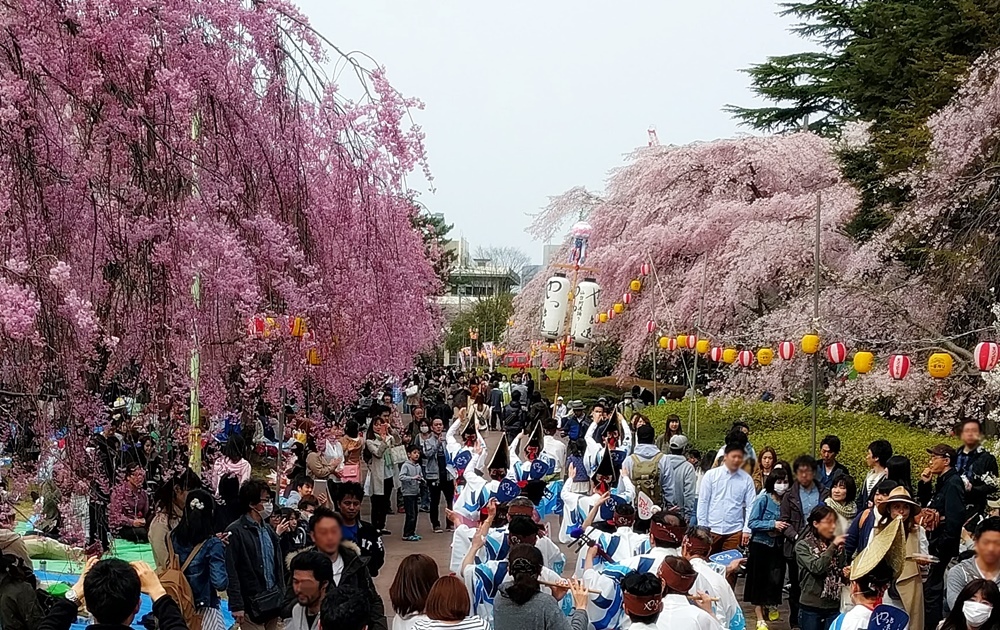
(134,534)
(411,505)
(794,591)
(380,505)
(437,488)
(934,593)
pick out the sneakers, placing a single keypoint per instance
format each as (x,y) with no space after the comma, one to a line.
(413,538)
(385,532)
(438,530)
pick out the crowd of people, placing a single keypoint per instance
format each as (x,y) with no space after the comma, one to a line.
(576,518)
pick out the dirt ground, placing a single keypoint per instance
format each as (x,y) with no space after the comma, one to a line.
(439,546)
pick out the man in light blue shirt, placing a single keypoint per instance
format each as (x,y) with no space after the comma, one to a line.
(725,497)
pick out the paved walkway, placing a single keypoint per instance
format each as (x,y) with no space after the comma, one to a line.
(438,546)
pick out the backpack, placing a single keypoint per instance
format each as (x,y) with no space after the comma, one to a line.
(646,477)
(176,585)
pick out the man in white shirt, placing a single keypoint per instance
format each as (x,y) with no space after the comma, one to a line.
(727,610)
(725,497)
(554,447)
(678,613)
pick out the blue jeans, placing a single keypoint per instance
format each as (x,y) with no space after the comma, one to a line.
(816,618)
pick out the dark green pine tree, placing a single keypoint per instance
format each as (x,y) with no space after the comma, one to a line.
(891,63)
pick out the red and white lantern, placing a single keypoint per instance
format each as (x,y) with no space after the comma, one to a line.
(745,358)
(257,326)
(836,352)
(716,354)
(644,269)
(671,343)
(987,356)
(650,326)
(626,298)
(786,350)
(611,314)
(691,342)
(899,366)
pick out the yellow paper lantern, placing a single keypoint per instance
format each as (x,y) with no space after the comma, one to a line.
(682,341)
(863,362)
(298,327)
(313,357)
(664,342)
(603,318)
(940,364)
(729,355)
(635,285)
(619,307)
(765,356)
(703,346)
(810,344)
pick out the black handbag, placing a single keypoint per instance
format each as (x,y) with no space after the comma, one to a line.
(267,604)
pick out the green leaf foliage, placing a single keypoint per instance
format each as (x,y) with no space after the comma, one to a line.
(787,428)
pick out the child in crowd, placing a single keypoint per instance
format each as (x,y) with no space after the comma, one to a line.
(410,477)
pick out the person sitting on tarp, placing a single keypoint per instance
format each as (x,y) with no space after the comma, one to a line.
(112,589)
(130,506)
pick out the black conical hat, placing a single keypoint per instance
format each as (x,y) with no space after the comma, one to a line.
(501,455)
(606,467)
(536,436)
(470,427)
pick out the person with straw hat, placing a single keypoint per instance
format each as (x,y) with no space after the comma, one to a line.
(872,574)
(908,590)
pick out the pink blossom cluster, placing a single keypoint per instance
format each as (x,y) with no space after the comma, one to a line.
(148,144)
(728,228)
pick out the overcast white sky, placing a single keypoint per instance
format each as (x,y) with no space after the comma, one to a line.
(527,99)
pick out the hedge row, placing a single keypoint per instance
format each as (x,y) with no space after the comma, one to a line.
(787,429)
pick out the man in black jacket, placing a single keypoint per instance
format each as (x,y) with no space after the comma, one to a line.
(349,567)
(513,416)
(944,516)
(802,497)
(254,563)
(111,589)
(973,462)
(361,533)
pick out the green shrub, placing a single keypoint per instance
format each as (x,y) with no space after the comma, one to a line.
(787,429)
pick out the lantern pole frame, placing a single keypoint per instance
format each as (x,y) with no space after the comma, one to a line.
(816,280)
(693,405)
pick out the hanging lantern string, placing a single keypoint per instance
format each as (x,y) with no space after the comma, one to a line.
(663,296)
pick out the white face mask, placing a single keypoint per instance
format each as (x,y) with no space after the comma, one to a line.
(425,430)
(976,613)
(268,508)
(780,488)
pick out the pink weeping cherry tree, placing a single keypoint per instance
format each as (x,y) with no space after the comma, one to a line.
(737,218)
(148,147)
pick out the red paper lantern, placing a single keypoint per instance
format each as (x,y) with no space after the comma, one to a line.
(691,342)
(627,298)
(786,350)
(671,343)
(650,326)
(987,355)
(644,269)
(611,313)
(716,354)
(836,352)
(257,326)
(899,366)
(745,358)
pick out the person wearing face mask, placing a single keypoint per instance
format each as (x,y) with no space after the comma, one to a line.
(765,556)
(254,562)
(976,608)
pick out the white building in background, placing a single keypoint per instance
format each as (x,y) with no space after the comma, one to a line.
(550,252)
(472,278)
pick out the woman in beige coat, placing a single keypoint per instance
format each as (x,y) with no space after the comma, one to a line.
(909,585)
(381,469)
